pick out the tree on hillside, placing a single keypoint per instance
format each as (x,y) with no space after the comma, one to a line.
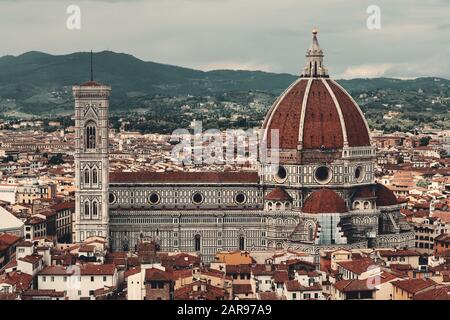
(424,141)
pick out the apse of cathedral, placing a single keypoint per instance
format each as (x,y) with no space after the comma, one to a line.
(323,194)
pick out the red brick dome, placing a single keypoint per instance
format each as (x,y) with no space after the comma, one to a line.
(324,201)
(385,196)
(315,112)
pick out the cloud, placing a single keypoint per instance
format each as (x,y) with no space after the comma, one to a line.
(366,71)
(234,65)
(241,34)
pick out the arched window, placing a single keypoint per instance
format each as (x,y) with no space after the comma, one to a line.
(241,243)
(87,209)
(90,135)
(197,244)
(94,176)
(311,233)
(94,209)
(86,176)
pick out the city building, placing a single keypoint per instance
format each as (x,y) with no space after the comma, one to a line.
(322,195)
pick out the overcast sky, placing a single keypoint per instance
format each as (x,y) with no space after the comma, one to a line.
(269,35)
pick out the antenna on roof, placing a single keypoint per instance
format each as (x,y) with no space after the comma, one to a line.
(92,71)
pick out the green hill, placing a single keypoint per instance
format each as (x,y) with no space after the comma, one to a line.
(37,83)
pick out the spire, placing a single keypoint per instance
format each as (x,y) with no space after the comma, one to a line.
(314,65)
(92,70)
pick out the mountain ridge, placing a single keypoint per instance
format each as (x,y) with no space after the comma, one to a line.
(36,82)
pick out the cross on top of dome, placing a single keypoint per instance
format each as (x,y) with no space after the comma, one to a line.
(314,65)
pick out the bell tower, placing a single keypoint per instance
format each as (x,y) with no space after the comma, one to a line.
(91,160)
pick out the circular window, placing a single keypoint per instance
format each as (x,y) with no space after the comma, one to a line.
(112,197)
(197,198)
(153,198)
(359,173)
(281,174)
(240,198)
(323,174)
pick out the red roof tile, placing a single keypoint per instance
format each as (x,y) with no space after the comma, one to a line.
(322,126)
(183,177)
(385,196)
(154,274)
(357,266)
(278,194)
(413,285)
(8,239)
(435,293)
(353,285)
(324,201)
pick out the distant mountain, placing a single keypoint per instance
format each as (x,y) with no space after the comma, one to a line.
(40,83)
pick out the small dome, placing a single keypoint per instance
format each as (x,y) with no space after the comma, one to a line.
(364,192)
(278,194)
(324,201)
(385,196)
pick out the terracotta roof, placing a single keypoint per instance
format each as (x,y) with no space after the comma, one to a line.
(85,269)
(262,270)
(132,271)
(20,280)
(280,276)
(8,239)
(386,277)
(31,258)
(293,285)
(278,194)
(11,264)
(183,177)
(322,126)
(184,273)
(86,248)
(385,196)
(436,293)
(353,285)
(242,288)
(215,273)
(324,201)
(42,293)
(357,266)
(398,253)
(180,260)
(444,254)
(444,237)
(267,296)
(204,291)
(64,206)
(364,192)
(413,285)
(239,268)
(25,244)
(154,274)
(35,220)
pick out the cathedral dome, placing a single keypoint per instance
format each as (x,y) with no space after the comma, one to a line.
(324,201)
(315,112)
